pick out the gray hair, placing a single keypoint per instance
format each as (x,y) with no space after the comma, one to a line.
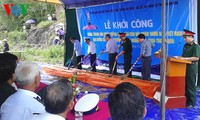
(58,96)
(26,73)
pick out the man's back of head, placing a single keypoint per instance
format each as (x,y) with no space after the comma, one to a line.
(141,36)
(72,38)
(8,63)
(126,102)
(28,76)
(59,97)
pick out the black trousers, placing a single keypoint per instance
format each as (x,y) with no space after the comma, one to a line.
(127,64)
(146,68)
(111,61)
(78,60)
(93,62)
(61,37)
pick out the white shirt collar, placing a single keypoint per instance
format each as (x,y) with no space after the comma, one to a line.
(54,116)
(27,92)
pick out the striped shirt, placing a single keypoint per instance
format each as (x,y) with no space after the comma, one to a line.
(146,48)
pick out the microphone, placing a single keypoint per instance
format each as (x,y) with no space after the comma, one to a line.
(177,47)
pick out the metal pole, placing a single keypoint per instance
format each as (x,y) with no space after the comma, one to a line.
(163,62)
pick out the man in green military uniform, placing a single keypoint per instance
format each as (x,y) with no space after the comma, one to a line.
(127,51)
(191,52)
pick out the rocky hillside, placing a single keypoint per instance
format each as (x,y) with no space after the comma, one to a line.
(42,36)
(44,33)
(36,43)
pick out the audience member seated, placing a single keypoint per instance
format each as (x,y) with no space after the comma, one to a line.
(58,101)
(126,102)
(23,104)
(8,63)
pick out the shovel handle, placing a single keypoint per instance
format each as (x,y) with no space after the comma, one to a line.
(132,67)
(113,67)
(70,63)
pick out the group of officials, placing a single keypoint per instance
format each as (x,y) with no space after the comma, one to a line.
(191,52)
(112,51)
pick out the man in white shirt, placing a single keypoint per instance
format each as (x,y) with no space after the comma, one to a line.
(111,49)
(58,101)
(91,53)
(23,104)
(77,52)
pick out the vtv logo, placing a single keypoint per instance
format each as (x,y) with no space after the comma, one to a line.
(16,9)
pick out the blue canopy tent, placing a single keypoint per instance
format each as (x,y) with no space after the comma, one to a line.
(129,11)
(85,3)
(72,30)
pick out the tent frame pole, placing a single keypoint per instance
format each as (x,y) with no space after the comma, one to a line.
(163,62)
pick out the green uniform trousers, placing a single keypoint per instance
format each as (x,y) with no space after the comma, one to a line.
(190,88)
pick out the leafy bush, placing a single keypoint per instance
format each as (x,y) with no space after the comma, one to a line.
(51,54)
(3,35)
(54,52)
(15,36)
(44,24)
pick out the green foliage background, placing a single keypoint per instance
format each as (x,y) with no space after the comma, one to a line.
(36,10)
(11,29)
(50,55)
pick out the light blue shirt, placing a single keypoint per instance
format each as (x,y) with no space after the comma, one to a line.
(77,48)
(111,46)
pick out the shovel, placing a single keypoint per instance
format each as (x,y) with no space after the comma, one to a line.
(126,75)
(70,63)
(90,68)
(113,69)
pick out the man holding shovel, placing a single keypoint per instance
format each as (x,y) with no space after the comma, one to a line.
(77,52)
(145,54)
(111,49)
(91,53)
(127,51)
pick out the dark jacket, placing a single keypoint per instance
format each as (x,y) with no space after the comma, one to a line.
(6,47)
(6,90)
